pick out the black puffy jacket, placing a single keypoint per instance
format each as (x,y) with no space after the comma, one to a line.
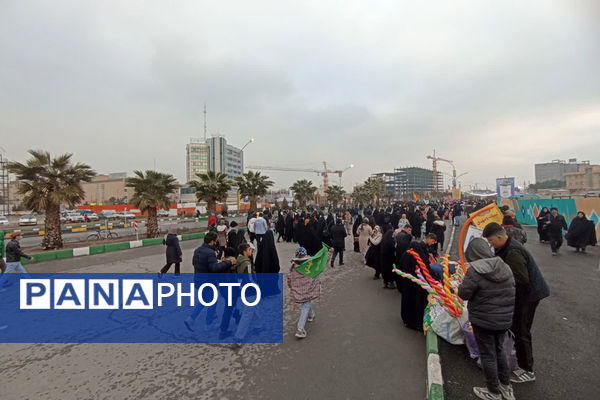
(338,236)
(489,286)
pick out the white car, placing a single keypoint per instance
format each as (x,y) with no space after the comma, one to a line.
(108,214)
(126,215)
(75,217)
(162,213)
(92,216)
(3,220)
(28,220)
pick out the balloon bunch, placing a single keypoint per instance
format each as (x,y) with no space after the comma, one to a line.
(442,293)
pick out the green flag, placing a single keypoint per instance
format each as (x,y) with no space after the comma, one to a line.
(315,265)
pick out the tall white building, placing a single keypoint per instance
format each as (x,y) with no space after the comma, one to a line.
(197,153)
(214,154)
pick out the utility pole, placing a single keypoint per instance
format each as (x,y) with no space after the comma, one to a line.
(205,122)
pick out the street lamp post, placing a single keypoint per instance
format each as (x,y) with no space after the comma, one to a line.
(249,141)
(239,200)
(347,168)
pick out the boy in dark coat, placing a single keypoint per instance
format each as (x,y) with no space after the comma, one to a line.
(489,287)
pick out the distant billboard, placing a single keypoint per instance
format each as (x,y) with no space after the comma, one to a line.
(505,187)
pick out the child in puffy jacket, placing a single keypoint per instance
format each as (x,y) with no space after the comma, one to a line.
(489,287)
(303,290)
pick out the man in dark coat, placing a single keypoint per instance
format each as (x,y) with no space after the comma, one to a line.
(530,289)
(582,233)
(456,213)
(205,261)
(414,298)
(338,240)
(555,225)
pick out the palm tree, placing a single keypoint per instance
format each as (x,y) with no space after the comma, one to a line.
(151,190)
(375,187)
(335,194)
(303,191)
(211,188)
(361,195)
(253,185)
(45,183)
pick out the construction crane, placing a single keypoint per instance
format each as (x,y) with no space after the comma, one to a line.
(324,173)
(435,159)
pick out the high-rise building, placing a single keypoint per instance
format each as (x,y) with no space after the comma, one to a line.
(197,153)
(411,179)
(214,154)
(224,157)
(556,170)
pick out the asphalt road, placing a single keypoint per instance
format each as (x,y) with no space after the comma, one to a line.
(356,349)
(34,241)
(565,332)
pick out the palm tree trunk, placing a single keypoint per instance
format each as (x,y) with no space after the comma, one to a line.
(211,207)
(253,203)
(152,230)
(53,236)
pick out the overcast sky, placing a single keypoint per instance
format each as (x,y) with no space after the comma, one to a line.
(494,86)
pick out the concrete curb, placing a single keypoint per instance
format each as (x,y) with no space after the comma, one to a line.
(435,382)
(104,248)
(84,227)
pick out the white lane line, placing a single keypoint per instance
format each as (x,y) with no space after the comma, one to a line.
(451,239)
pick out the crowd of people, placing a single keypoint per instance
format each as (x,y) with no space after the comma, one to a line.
(503,284)
(552,227)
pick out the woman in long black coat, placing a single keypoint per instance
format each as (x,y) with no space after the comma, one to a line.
(582,233)
(373,256)
(280,226)
(414,298)
(387,257)
(542,218)
(355,233)
(173,252)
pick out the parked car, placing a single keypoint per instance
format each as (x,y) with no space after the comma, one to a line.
(75,217)
(108,214)
(28,220)
(91,216)
(3,220)
(126,215)
(88,215)
(162,213)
